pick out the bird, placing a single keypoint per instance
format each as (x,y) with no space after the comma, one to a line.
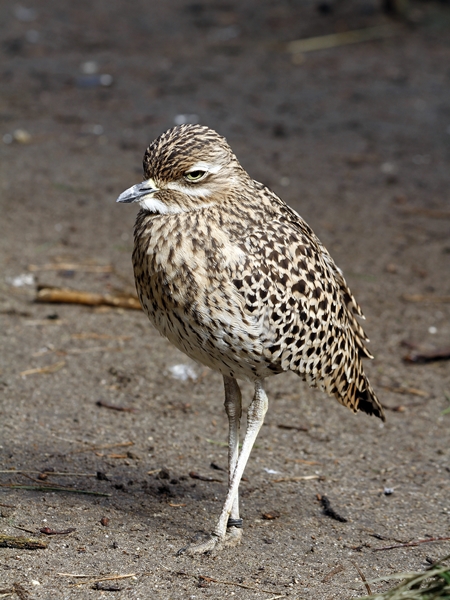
(238,281)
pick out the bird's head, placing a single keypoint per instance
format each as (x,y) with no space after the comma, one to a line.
(188,167)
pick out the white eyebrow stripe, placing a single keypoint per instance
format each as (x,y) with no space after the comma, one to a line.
(204,166)
(197,191)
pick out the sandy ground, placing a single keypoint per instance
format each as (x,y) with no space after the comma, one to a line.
(357,139)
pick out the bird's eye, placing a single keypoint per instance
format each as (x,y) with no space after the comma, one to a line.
(194,175)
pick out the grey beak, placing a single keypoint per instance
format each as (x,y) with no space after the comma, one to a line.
(136,192)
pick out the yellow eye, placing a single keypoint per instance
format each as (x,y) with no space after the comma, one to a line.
(194,175)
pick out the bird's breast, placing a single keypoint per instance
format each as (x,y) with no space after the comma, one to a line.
(184,277)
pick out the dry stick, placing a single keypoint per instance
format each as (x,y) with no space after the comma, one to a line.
(24,529)
(99,336)
(71,267)
(17,472)
(97,579)
(102,447)
(49,369)
(300,478)
(428,356)
(302,461)
(332,573)
(296,427)
(93,349)
(224,582)
(206,578)
(20,542)
(425,298)
(412,544)
(241,585)
(49,488)
(66,296)
(21,591)
(340,39)
(195,475)
(405,390)
(361,574)
(433,213)
(116,407)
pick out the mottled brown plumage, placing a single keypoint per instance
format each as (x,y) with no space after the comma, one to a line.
(238,281)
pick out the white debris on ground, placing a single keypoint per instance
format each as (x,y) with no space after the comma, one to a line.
(183,372)
(21,280)
(182,119)
(271,471)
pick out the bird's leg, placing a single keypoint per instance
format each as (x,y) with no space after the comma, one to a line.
(255,419)
(233,408)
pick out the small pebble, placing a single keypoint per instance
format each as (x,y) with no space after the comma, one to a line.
(21,136)
(182,119)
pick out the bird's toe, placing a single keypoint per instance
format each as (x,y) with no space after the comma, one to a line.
(233,536)
(213,543)
(203,547)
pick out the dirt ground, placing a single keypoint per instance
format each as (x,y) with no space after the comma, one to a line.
(357,139)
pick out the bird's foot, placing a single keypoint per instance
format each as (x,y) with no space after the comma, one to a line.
(213,543)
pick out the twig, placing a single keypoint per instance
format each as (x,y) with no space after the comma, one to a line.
(21,591)
(213,580)
(405,390)
(93,349)
(99,336)
(103,447)
(71,267)
(241,585)
(96,579)
(21,542)
(340,39)
(412,543)
(48,531)
(44,370)
(225,582)
(430,356)
(425,298)
(299,478)
(59,474)
(115,407)
(332,573)
(361,574)
(302,461)
(433,213)
(296,427)
(49,488)
(329,511)
(24,529)
(66,296)
(195,475)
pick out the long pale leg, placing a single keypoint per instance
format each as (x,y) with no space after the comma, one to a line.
(233,408)
(255,419)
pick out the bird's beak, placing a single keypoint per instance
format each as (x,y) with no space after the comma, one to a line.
(137,192)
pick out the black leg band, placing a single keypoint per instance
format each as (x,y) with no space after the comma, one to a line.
(238,523)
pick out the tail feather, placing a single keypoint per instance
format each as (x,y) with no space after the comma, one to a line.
(369,403)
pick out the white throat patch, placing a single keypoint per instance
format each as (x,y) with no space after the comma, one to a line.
(156,206)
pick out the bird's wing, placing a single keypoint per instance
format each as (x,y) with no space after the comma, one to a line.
(311,315)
